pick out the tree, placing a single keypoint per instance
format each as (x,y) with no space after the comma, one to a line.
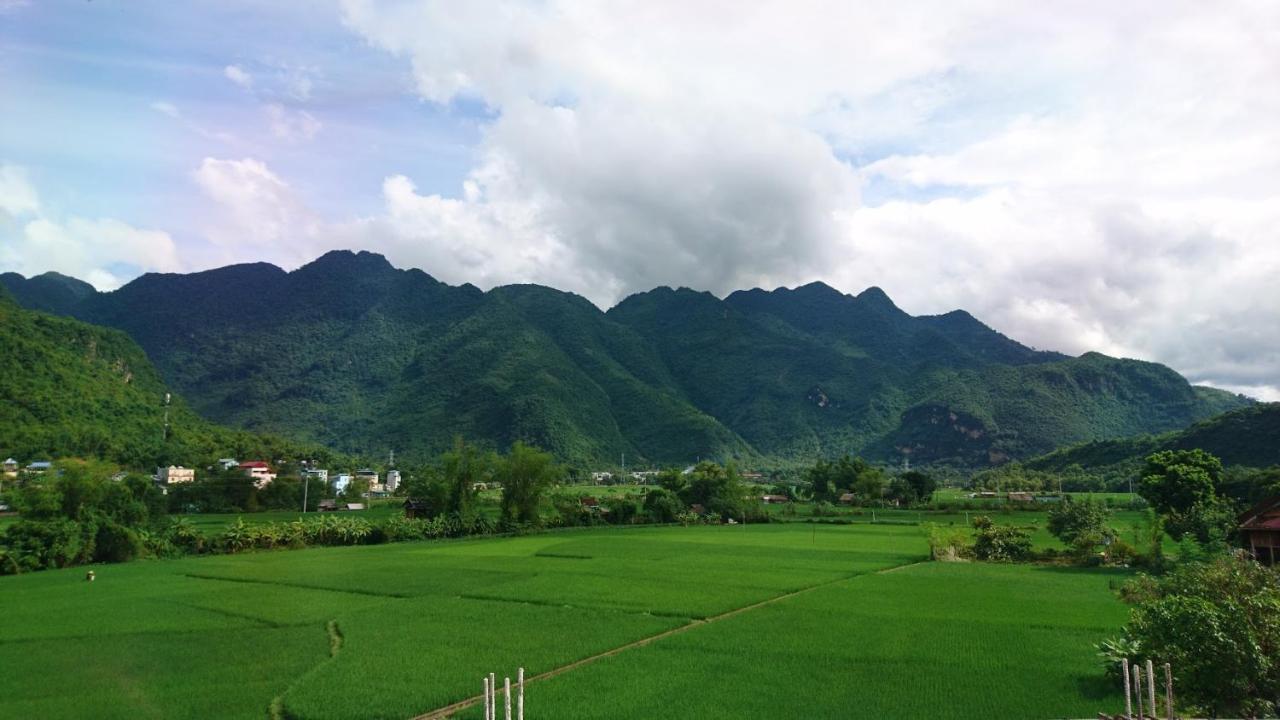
(525,473)
(999,542)
(462,468)
(822,481)
(1215,623)
(716,488)
(1175,480)
(662,505)
(1182,486)
(922,484)
(1072,519)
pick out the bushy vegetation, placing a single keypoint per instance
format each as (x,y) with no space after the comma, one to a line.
(1214,622)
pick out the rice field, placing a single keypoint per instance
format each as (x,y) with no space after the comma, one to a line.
(393,631)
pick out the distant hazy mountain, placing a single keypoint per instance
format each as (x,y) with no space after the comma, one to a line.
(354,353)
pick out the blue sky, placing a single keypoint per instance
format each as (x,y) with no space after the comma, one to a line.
(1097,176)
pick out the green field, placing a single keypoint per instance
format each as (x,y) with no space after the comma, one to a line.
(392,631)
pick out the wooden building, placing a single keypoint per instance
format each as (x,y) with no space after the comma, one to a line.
(1260,529)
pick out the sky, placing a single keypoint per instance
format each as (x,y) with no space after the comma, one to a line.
(1080,176)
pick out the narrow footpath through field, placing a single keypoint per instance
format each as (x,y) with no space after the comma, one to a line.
(449,710)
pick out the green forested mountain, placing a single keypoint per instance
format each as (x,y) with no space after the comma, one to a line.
(353,353)
(72,389)
(1248,436)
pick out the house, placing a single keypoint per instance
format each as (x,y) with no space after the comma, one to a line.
(848,498)
(1022,497)
(774,499)
(697,509)
(393,480)
(414,508)
(260,471)
(753,476)
(589,502)
(341,481)
(227,463)
(601,478)
(1260,529)
(11,468)
(327,505)
(479,487)
(318,474)
(175,474)
(353,506)
(39,466)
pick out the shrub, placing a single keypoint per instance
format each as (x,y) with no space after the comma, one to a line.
(999,542)
(48,544)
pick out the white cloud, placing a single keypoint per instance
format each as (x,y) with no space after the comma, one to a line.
(258,215)
(1097,176)
(166,108)
(238,75)
(291,125)
(17,195)
(33,242)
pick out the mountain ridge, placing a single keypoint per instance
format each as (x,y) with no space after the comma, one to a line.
(349,351)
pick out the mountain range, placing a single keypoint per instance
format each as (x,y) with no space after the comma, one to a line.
(362,357)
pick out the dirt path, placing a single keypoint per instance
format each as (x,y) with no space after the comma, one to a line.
(448,710)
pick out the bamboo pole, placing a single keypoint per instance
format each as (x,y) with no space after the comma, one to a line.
(506,696)
(486,699)
(493,697)
(1128,696)
(1151,688)
(1168,690)
(1137,687)
(520,701)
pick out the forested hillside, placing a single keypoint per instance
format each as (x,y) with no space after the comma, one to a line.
(1248,436)
(72,389)
(353,353)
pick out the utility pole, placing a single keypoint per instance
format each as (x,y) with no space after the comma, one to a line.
(165,436)
(306,485)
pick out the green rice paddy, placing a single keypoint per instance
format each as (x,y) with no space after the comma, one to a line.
(861,627)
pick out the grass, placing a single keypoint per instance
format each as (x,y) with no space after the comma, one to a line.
(420,623)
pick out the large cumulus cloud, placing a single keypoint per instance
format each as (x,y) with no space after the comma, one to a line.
(1094,177)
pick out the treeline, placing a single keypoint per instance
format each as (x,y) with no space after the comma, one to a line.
(83,512)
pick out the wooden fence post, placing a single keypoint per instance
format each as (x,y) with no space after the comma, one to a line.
(506,696)
(1128,696)
(1137,687)
(1168,690)
(520,701)
(486,699)
(493,697)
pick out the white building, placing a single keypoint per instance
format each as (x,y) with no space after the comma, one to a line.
(393,480)
(175,474)
(260,471)
(318,474)
(227,463)
(341,481)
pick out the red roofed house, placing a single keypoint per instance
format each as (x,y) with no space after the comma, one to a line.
(260,471)
(1260,529)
